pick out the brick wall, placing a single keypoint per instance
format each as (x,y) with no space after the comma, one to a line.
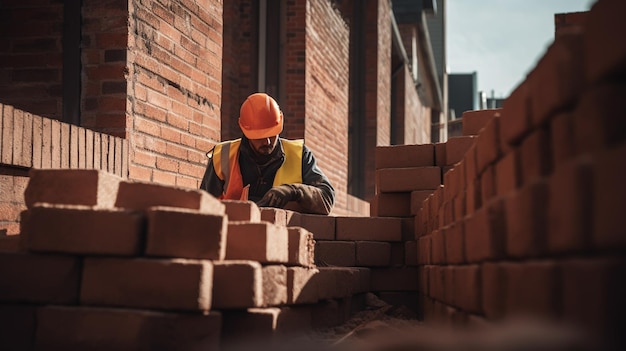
(294,105)
(32,35)
(326,88)
(175,72)
(412,119)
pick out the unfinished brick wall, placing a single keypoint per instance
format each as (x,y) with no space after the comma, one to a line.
(175,72)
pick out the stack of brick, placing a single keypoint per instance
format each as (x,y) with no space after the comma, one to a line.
(530,221)
(111,264)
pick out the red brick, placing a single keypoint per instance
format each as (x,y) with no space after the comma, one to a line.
(467,289)
(242,210)
(147,283)
(471,170)
(570,206)
(605,52)
(535,156)
(508,173)
(459,208)
(556,81)
(438,246)
(263,242)
(410,253)
(450,184)
(322,227)
(485,233)
(237,284)
(539,299)
(456,147)
(34,278)
(81,187)
(277,216)
(609,199)
(488,185)
(407,225)
(397,255)
(77,328)
(488,145)
(294,219)
(454,243)
(274,285)
(516,114)
(6,156)
(394,279)
(408,179)
(417,200)
(18,326)
(335,253)
(140,195)
(527,221)
(301,247)
(391,205)
(338,282)
(596,125)
(562,138)
(474,121)
(440,155)
(176,232)
(372,254)
(424,250)
(301,287)
(494,284)
(82,230)
(404,156)
(369,228)
(436,282)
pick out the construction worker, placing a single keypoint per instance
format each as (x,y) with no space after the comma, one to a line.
(264,168)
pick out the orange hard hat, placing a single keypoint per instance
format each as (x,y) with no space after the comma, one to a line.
(260,117)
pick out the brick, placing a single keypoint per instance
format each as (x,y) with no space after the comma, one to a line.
(34,278)
(488,185)
(372,254)
(595,124)
(276,216)
(322,227)
(570,206)
(82,230)
(562,138)
(438,246)
(301,287)
(237,284)
(474,121)
(363,275)
(516,114)
(440,155)
(485,233)
(274,285)
(76,328)
(410,253)
(526,221)
(424,254)
(88,187)
(539,299)
(417,200)
(18,326)
(454,243)
(467,285)
(471,170)
(294,219)
(494,286)
(335,253)
(338,282)
(407,225)
(176,232)
(535,156)
(397,255)
(556,81)
(436,282)
(391,205)
(263,242)
(394,279)
(162,284)
(6,156)
(609,199)
(423,279)
(472,198)
(404,156)
(488,145)
(10,243)
(407,179)
(242,211)
(456,147)
(605,52)
(369,228)
(301,247)
(508,173)
(141,195)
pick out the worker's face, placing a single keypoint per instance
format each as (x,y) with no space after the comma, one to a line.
(264,146)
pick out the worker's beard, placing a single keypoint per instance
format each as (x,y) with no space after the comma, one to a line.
(265,150)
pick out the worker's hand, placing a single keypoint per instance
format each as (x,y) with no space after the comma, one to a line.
(279,196)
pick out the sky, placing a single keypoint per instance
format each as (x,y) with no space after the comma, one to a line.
(501,39)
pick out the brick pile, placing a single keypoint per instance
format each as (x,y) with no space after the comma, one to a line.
(529,221)
(106,263)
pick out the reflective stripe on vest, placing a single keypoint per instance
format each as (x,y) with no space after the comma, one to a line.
(227,168)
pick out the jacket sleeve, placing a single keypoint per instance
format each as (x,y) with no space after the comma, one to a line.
(315,194)
(211,182)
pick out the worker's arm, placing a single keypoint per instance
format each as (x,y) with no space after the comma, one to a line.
(211,182)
